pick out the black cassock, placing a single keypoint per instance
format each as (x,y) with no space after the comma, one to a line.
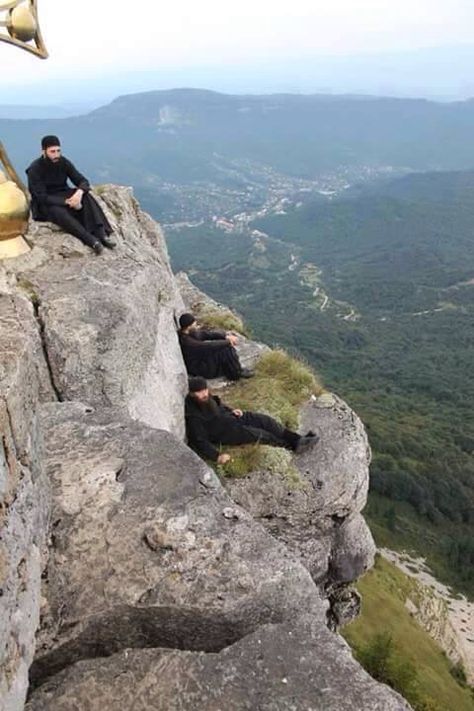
(209,354)
(210,426)
(49,188)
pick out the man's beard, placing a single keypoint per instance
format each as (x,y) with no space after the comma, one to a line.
(209,405)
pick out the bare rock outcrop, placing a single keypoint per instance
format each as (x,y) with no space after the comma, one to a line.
(159,588)
(144,552)
(24,494)
(108,323)
(291,666)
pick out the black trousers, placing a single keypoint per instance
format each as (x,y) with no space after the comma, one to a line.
(254,427)
(224,361)
(230,363)
(88,224)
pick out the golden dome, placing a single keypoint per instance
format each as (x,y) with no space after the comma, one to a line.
(13,210)
(22,24)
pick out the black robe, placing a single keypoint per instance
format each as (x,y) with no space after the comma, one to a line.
(49,188)
(209,426)
(209,354)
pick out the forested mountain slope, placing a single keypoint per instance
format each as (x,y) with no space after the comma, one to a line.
(376,289)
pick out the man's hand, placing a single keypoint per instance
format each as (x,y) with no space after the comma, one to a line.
(223,458)
(75,201)
(237,413)
(232,338)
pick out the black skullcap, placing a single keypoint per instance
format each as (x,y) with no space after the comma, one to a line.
(197,383)
(186,320)
(49,142)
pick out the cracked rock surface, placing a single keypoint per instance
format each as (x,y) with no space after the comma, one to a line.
(108,322)
(318,517)
(291,666)
(157,588)
(143,552)
(24,493)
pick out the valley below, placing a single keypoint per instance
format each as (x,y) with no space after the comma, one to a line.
(371,283)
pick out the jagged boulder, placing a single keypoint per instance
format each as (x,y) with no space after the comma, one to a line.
(147,548)
(318,517)
(108,322)
(293,666)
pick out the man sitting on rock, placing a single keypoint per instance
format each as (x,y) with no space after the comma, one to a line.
(211,424)
(53,200)
(209,353)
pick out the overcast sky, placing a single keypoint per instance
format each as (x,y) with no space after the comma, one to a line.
(95,35)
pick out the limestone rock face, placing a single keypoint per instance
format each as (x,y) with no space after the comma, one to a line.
(157,587)
(319,517)
(144,552)
(291,666)
(108,322)
(24,499)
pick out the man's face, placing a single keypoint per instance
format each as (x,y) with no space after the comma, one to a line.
(53,153)
(201,395)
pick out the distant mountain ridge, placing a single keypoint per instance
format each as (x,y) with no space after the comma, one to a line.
(186,136)
(440,73)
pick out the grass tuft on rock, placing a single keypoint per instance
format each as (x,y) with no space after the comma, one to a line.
(255,457)
(221,319)
(280,386)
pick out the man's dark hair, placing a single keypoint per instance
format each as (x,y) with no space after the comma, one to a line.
(186,320)
(49,142)
(197,383)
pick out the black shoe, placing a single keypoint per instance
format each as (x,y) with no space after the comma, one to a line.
(97,247)
(305,443)
(107,242)
(246,373)
(310,433)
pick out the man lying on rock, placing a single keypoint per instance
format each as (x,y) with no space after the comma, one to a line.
(209,353)
(211,424)
(53,200)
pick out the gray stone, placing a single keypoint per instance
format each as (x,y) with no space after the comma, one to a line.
(142,554)
(318,517)
(108,322)
(294,666)
(150,559)
(23,494)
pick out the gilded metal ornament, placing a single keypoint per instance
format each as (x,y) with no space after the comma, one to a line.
(23,31)
(22,26)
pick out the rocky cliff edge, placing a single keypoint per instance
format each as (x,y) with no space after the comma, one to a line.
(130,576)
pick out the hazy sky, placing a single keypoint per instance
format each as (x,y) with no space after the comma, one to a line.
(100,36)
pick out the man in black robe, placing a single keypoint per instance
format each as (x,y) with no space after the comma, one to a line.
(211,424)
(53,200)
(209,353)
